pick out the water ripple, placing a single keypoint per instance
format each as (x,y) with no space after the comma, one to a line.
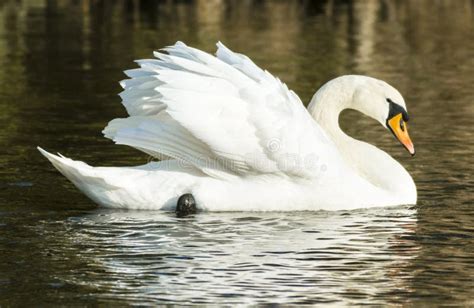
(369,256)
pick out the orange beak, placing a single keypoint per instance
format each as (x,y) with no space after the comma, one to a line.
(400,130)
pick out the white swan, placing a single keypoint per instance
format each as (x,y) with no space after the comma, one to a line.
(238,139)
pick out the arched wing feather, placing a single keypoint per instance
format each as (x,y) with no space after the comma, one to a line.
(223,115)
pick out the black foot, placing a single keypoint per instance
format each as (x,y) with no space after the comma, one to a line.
(186,205)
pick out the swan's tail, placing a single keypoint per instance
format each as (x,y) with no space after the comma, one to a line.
(91,182)
(156,185)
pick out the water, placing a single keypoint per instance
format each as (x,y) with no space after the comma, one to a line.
(59,66)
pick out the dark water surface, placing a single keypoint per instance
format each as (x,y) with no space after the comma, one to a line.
(59,66)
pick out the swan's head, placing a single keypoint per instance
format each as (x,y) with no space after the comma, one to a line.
(379,100)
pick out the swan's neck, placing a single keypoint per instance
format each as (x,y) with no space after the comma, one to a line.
(369,162)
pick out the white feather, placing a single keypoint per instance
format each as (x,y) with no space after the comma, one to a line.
(225,111)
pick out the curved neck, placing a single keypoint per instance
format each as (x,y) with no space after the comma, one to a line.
(369,162)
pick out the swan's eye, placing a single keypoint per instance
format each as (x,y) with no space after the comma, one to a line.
(402,125)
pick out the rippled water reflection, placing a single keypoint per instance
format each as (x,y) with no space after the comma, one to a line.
(59,66)
(368,256)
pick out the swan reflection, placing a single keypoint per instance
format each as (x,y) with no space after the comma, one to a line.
(310,256)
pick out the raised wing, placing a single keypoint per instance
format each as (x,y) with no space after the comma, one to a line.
(223,115)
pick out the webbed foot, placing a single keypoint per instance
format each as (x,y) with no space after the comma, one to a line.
(186,205)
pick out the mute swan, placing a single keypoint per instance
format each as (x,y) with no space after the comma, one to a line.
(235,138)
